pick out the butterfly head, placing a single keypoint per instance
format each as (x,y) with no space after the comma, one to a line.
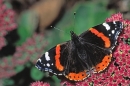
(75,39)
(73,35)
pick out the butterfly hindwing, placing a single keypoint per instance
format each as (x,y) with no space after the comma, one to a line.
(99,58)
(76,69)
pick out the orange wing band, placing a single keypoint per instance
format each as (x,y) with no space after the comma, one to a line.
(57,58)
(104,64)
(102,36)
(77,76)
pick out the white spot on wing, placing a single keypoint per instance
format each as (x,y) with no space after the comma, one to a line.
(36,67)
(118,33)
(55,73)
(47,56)
(60,74)
(40,61)
(114,22)
(50,70)
(106,25)
(112,31)
(48,65)
(116,37)
(46,69)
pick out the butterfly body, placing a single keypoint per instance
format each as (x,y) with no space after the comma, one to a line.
(89,52)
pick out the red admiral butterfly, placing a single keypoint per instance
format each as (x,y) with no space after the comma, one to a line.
(90,51)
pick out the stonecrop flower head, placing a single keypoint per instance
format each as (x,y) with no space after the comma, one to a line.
(118,72)
(7,22)
(24,53)
(39,83)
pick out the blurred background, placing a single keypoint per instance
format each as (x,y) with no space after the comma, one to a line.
(27,31)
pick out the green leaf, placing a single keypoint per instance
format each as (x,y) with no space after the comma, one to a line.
(36,74)
(8,82)
(27,24)
(56,80)
(19,68)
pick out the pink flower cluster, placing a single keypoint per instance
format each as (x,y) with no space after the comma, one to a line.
(7,22)
(31,50)
(38,83)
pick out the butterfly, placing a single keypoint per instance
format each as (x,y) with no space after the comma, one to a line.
(89,52)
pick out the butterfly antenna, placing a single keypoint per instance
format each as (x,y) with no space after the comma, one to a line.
(57,28)
(74,20)
(60,30)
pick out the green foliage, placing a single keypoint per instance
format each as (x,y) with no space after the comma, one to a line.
(87,15)
(26,25)
(8,82)
(56,80)
(19,68)
(36,74)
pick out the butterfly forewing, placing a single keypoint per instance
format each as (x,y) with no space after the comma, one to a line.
(104,35)
(53,61)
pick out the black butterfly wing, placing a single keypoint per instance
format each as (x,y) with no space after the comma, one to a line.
(99,42)
(104,35)
(75,68)
(53,61)
(98,58)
